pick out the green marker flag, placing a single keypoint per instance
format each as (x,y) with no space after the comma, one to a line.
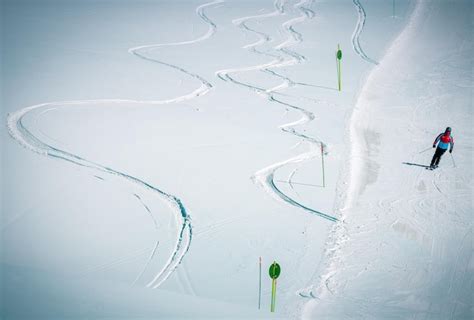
(338,62)
(274,272)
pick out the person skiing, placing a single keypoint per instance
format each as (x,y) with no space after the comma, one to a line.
(444,140)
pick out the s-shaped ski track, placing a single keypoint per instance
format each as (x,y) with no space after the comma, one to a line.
(265,177)
(19,132)
(357,32)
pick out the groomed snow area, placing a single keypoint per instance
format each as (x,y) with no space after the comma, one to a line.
(153,151)
(404,247)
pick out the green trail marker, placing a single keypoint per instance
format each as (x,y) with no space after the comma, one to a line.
(274,272)
(338,62)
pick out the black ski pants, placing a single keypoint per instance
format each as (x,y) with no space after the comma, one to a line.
(437,156)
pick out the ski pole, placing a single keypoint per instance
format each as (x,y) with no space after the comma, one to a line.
(452,158)
(424,150)
(260,282)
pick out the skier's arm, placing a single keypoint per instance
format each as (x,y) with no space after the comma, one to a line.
(452,144)
(437,140)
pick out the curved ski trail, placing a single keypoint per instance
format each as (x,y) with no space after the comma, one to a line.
(19,132)
(265,177)
(357,32)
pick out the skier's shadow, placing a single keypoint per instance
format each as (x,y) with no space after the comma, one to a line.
(415,164)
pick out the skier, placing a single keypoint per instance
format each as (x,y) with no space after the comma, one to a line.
(444,140)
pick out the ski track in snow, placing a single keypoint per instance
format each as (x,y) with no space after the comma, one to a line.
(19,132)
(358,30)
(265,177)
(155,248)
(290,181)
(278,60)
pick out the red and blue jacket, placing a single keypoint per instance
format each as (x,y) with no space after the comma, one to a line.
(445,140)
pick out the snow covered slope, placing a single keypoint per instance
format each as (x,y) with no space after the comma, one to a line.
(170,144)
(403,249)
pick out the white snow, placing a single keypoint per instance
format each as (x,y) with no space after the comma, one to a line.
(404,247)
(170,144)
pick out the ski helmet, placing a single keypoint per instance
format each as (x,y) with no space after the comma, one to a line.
(448,129)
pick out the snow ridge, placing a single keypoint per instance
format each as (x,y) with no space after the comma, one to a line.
(352,171)
(19,132)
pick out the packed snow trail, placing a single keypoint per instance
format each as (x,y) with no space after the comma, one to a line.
(400,221)
(265,177)
(205,85)
(337,235)
(24,137)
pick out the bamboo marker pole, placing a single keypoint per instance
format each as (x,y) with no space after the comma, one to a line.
(274,272)
(322,163)
(260,283)
(338,64)
(272,308)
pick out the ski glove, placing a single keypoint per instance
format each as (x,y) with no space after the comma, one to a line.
(450,151)
(434,146)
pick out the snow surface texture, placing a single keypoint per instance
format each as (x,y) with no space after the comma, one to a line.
(143,163)
(20,133)
(404,247)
